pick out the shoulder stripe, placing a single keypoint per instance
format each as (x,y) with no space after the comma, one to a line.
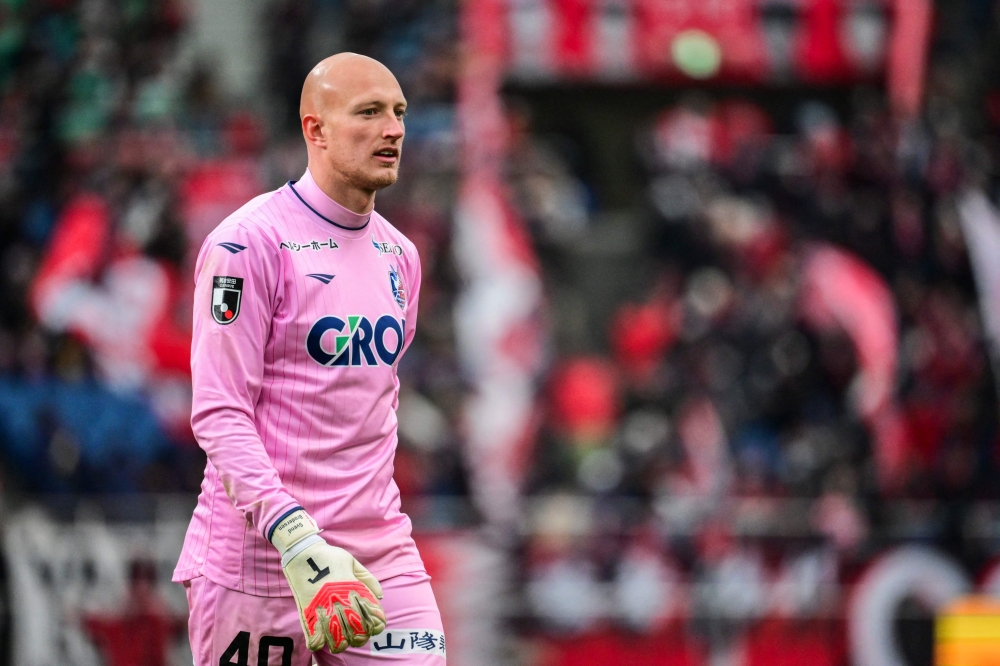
(233,247)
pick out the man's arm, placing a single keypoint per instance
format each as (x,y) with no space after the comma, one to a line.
(236,286)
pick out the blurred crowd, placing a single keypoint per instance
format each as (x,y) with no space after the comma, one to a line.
(811,308)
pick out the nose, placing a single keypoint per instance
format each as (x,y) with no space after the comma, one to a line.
(393,129)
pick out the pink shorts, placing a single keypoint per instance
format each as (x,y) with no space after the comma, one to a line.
(227,627)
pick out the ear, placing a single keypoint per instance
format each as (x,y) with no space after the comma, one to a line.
(312,130)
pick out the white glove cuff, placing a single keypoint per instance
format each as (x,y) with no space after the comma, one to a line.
(298,547)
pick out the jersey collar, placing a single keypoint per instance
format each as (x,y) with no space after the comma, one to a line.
(316,200)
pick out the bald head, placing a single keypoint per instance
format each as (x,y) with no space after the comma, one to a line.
(352,112)
(338,76)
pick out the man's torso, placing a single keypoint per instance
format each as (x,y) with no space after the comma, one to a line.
(326,407)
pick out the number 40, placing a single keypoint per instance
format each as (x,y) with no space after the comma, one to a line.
(240,648)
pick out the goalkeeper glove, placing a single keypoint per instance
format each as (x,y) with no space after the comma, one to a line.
(336,596)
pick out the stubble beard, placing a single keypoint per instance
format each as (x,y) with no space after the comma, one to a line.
(369,181)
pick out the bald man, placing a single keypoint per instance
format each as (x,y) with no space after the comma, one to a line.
(306,299)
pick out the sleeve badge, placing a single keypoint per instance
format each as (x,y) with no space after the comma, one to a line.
(227,292)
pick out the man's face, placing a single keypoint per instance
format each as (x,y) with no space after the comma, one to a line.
(363,124)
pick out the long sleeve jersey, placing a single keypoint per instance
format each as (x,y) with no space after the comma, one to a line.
(302,311)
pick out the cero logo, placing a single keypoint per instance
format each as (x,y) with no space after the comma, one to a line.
(386,248)
(356,341)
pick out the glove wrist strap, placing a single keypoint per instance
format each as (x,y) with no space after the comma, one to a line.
(292,528)
(298,547)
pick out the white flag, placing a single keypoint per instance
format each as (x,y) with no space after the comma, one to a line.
(981,226)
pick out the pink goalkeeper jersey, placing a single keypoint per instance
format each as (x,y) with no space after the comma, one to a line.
(302,311)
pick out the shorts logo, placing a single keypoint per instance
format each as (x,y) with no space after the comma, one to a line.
(408,641)
(386,248)
(398,291)
(227,292)
(355,341)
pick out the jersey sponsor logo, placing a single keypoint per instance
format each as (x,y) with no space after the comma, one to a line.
(322,277)
(356,341)
(227,292)
(329,243)
(408,641)
(386,248)
(234,248)
(396,284)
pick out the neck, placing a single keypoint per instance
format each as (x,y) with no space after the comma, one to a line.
(350,197)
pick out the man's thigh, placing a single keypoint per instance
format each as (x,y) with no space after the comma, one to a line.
(231,628)
(413,636)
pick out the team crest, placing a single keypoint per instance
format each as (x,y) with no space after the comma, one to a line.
(398,291)
(227,292)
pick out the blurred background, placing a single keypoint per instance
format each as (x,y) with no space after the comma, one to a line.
(705,367)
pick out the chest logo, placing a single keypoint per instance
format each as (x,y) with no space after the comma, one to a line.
(386,248)
(329,243)
(322,277)
(227,292)
(355,341)
(396,284)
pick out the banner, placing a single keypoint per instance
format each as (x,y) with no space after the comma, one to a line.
(498,314)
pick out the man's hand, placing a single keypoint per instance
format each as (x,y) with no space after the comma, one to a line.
(337,597)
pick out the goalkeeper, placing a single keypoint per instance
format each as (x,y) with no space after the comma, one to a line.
(305,300)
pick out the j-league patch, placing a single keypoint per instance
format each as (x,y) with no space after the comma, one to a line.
(226,295)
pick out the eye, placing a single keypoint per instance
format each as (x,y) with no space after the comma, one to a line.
(400,113)
(369,112)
